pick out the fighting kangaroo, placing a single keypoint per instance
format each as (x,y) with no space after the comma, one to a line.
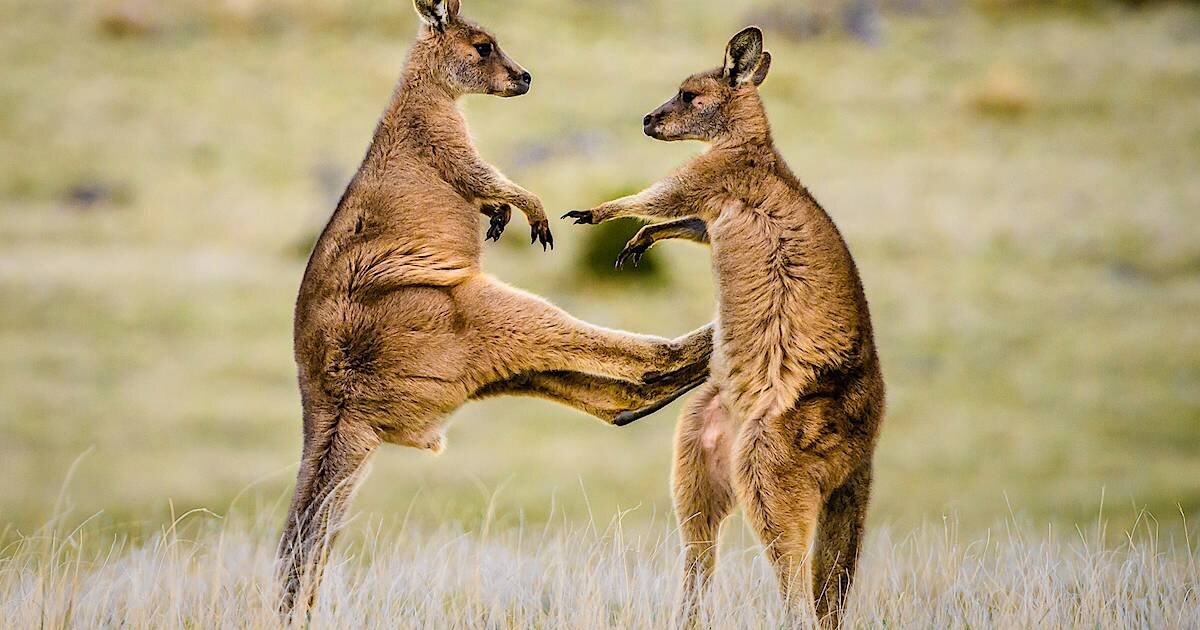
(396,326)
(788,422)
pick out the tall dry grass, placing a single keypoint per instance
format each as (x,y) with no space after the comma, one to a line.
(203,571)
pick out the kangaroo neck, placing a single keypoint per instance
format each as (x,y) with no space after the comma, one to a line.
(418,97)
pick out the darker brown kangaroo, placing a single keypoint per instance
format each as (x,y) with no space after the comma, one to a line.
(396,325)
(787,424)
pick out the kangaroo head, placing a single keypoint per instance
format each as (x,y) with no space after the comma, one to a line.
(463,57)
(718,102)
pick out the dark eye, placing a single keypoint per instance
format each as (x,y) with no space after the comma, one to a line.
(687,97)
(484,49)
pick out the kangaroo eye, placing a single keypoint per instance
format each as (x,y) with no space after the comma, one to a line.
(484,49)
(687,97)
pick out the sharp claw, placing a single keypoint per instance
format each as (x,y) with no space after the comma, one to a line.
(581,216)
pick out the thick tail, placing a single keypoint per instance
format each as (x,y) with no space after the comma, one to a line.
(335,452)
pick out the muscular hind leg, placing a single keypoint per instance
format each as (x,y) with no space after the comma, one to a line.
(782,500)
(839,538)
(515,332)
(335,452)
(703,491)
(785,469)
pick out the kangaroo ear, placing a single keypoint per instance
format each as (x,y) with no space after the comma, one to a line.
(437,13)
(742,55)
(764,66)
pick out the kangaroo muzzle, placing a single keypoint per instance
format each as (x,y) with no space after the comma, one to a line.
(516,79)
(650,124)
(522,81)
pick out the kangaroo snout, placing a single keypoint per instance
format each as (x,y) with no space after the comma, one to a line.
(518,83)
(649,124)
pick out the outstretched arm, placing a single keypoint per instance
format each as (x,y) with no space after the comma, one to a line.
(676,196)
(690,191)
(688,228)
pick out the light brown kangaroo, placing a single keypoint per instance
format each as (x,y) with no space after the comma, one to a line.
(788,422)
(396,326)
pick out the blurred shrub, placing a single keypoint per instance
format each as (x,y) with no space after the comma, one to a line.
(1003,92)
(601,246)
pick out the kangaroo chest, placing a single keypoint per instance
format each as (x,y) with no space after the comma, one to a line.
(784,313)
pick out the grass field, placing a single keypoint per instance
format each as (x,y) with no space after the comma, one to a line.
(199,572)
(1020,188)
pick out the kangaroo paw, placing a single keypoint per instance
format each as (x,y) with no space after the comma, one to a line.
(540,231)
(633,251)
(499,217)
(581,217)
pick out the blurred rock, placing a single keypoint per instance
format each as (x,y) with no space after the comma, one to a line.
(861,20)
(920,7)
(1005,92)
(127,20)
(92,195)
(791,21)
(799,21)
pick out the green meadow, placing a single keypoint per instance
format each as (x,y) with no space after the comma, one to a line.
(1020,187)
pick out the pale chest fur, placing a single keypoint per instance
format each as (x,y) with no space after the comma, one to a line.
(786,305)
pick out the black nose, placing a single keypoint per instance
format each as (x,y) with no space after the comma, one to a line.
(647,120)
(526,77)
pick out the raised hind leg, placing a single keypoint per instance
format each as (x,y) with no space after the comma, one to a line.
(615,401)
(514,332)
(335,451)
(703,491)
(839,538)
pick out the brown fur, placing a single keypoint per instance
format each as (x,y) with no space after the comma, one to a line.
(396,325)
(788,422)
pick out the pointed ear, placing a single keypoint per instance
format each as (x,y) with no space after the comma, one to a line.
(437,13)
(742,55)
(764,66)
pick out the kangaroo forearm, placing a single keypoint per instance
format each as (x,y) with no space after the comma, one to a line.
(525,201)
(688,228)
(483,183)
(661,201)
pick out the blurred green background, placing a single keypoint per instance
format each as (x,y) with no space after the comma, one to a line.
(1019,181)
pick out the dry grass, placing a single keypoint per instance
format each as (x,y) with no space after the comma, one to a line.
(200,571)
